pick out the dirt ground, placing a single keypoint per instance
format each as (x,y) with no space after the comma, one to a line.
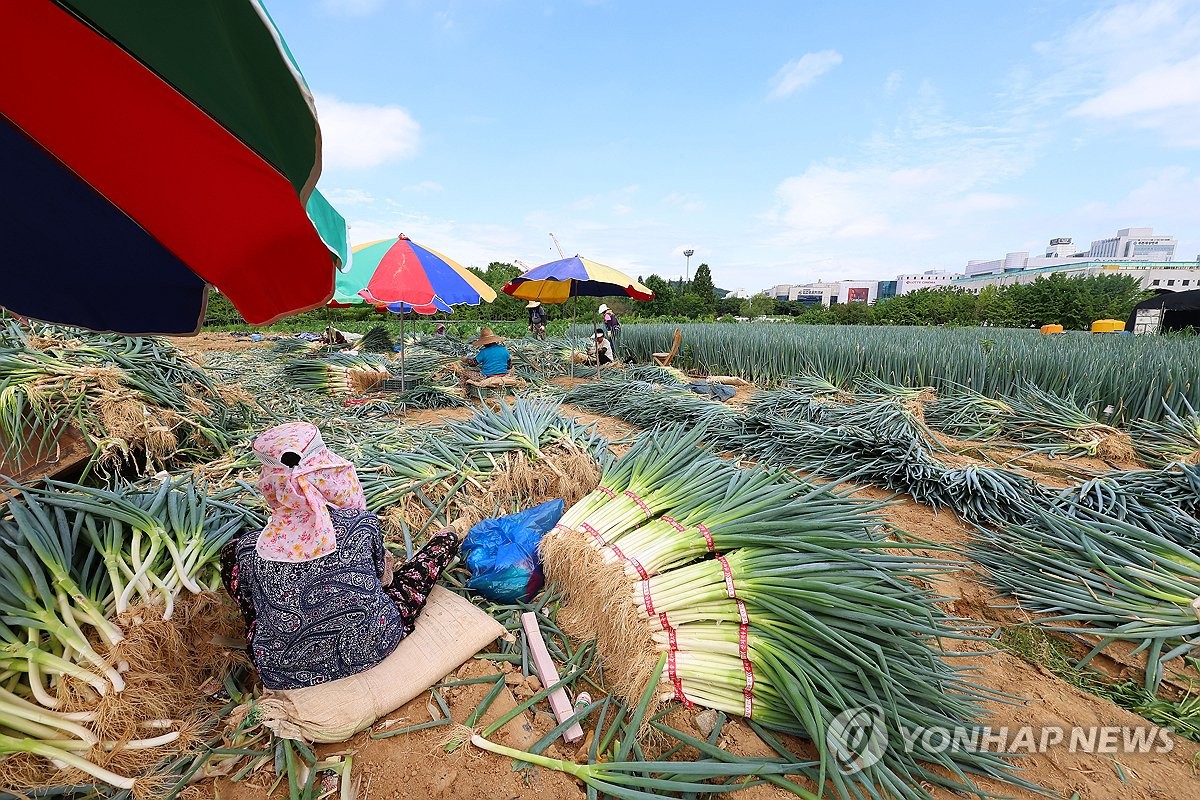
(417,764)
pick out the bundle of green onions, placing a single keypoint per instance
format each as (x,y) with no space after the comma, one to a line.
(1050,423)
(88,580)
(1178,484)
(1175,437)
(292,347)
(968,415)
(333,374)
(131,399)
(769,599)
(1133,502)
(376,340)
(1092,573)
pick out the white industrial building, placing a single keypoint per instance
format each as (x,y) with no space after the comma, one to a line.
(826,293)
(1167,275)
(1130,244)
(1137,243)
(1133,251)
(930,279)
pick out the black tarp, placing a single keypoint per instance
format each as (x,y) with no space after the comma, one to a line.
(1180,310)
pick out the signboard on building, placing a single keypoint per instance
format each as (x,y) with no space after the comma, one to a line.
(858,294)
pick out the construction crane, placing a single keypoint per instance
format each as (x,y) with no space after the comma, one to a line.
(558,246)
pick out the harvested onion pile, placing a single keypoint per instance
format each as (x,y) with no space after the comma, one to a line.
(771,599)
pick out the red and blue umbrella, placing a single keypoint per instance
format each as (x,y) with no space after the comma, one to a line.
(398,270)
(151,150)
(404,275)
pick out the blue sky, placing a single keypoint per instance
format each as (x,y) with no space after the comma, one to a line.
(783,141)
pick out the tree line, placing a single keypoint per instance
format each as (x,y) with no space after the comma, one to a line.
(1073,303)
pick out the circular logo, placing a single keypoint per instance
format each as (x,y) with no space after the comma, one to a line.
(857,738)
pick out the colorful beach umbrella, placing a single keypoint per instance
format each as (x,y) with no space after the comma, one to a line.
(437,306)
(560,280)
(149,150)
(400,273)
(398,270)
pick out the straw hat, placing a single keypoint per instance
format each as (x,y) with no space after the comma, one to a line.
(603,308)
(486,336)
(532,304)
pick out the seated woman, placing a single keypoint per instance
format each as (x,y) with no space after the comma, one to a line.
(492,359)
(315,586)
(600,350)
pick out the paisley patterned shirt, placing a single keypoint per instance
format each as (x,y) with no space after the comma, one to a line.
(324,619)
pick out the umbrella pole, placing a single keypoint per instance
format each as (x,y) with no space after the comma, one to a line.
(403,347)
(574,323)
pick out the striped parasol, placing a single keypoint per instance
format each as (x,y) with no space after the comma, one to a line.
(154,149)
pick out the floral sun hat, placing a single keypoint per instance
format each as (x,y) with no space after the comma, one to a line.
(300,528)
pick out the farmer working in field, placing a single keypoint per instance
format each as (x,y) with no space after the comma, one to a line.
(600,350)
(612,325)
(537,319)
(493,358)
(317,589)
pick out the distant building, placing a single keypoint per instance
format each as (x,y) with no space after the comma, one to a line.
(930,279)
(1130,244)
(886,289)
(809,293)
(739,294)
(1172,276)
(857,291)
(1135,243)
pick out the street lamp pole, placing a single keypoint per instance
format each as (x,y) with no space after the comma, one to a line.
(688,264)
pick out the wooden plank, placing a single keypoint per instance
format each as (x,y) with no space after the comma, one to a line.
(547,673)
(69,451)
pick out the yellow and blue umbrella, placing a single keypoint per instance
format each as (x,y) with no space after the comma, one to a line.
(558,281)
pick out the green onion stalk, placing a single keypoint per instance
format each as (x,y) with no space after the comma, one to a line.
(1095,574)
(1175,437)
(791,611)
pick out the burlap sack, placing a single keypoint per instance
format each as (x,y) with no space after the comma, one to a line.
(449,631)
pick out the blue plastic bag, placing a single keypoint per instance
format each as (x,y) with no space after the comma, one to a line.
(502,553)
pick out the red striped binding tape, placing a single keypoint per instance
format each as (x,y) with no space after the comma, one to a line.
(595,534)
(645,508)
(708,540)
(604,490)
(678,684)
(646,597)
(673,523)
(729,590)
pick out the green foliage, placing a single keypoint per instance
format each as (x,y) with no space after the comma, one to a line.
(1073,303)
(1139,376)
(704,291)
(220,311)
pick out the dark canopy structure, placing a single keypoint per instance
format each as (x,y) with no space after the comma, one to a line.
(1166,312)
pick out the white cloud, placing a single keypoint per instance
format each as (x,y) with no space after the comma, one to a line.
(360,135)
(684,202)
(802,72)
(892,82)
(351,8)
(1133,64)
(1164,199)
(424,187)
(348,197)
(1160,88)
